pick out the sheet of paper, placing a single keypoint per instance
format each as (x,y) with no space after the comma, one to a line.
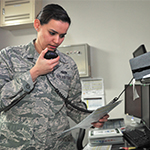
(135,94)
(94,116)
(104,147)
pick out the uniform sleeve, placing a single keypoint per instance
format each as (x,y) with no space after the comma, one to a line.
(12,87)
(75,98)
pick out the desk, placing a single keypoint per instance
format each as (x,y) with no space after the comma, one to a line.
(114,123)
(111,147)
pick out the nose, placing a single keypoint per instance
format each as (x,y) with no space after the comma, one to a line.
(57,39)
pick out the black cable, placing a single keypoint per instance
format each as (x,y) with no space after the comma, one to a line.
(125,88)
(13,103)
(67,101)
(81,109)
(116,98)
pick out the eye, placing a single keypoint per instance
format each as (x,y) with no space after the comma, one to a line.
(51,33)
(62,36)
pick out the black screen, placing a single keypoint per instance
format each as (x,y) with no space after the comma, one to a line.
(139,51)
(133,107)
(146,105)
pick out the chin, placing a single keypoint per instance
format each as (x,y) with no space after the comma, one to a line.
(51,49)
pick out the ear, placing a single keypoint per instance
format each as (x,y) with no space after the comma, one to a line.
(37,24)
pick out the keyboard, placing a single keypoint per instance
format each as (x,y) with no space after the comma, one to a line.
(137,138)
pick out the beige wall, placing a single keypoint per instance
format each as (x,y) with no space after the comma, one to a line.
(112,28)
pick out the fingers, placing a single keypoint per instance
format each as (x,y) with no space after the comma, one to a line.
(48,64)
(106,116)
(53,62)
(43,52)
(98,124)
(101,121)
(104,119)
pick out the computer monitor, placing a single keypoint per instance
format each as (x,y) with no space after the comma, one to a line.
(139,51)
(140,107)
(133,107)
(146,105)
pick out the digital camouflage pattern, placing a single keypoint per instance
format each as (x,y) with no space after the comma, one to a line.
(33,123)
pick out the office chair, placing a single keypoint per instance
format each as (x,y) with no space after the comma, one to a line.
(80,139)
(81,135)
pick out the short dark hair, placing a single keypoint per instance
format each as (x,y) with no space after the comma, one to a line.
(53,11)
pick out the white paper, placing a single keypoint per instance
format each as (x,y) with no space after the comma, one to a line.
(104,147)
(135,94)
(94,116)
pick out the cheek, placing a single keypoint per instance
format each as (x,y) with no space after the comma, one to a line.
(46,38)
(61,40)
(42,34)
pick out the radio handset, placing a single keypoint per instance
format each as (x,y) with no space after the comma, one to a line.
(50,55)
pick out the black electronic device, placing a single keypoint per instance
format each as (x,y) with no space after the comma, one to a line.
(140,107)
(140,65)
(133,107)
(146,105)
(50,55)
(137,138)
(139,51)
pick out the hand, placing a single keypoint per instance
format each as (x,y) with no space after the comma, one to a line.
(101,122)
(43,66)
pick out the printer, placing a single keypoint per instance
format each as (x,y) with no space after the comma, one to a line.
(140,64)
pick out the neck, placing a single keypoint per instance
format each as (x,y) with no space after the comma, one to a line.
(37,46)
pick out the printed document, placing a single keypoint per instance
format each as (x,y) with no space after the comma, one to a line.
(94,116)
(104,147)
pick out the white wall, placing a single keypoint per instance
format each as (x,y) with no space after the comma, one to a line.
(112,28)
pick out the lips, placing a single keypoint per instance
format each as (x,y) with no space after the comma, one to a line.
(52,47)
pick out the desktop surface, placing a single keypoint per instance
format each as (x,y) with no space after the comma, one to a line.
(126,142)
(123,146)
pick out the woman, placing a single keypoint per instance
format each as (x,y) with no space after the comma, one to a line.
(37,87)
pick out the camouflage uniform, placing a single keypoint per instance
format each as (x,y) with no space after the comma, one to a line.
(33,123)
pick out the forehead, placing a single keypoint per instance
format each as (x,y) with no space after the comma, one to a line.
(58,26)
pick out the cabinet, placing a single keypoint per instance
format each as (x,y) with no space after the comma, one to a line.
(81,55)
(16,14)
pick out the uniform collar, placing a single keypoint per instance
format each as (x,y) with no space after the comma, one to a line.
(31,52)
(62,58)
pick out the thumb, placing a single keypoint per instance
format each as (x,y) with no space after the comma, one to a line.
(44,52)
